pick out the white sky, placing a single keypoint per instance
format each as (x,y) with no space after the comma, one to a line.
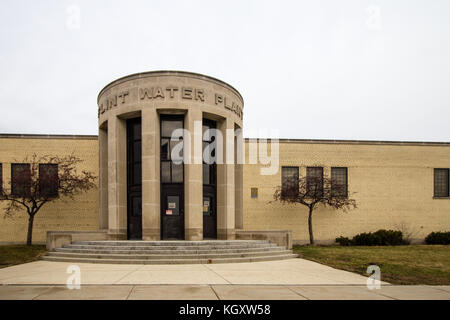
(366,70)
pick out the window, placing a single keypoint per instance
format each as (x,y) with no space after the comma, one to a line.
(314,181)
(254,193)
(441,183)
(289,181)
(20,179)
(48,180)
(339,182)
(209,167)
(171,172)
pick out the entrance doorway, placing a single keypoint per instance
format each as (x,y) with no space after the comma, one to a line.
(209,184)
(172,180)
(134,180)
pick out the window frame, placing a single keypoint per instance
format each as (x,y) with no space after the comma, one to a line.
(308,182)
(14,192)
(346,182)
(54,194)
(170,118)
(283,192)
(447,196)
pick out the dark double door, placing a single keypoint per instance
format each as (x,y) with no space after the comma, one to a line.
(134,179)
(172,217)
(209,212)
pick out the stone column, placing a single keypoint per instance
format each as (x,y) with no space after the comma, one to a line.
(239,157)
(193,177)
(151,212)
(103,179)
(226,185)
(117,178)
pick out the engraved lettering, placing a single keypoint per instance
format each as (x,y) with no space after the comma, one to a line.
(199,94)
(159,93)
(112,102)
(219,98)
(144,92)
(172,91)
(186,93)
(123,95)
(226,105)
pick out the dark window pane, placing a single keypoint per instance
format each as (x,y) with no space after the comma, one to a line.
(177,173)
(165,171)
(48,179)
(168,126)
(137,131)
(20,179)
(173,205)
(289,181)
(137,151)
(339,182)
(137,174)
(314,181)
(165,149)
(254,193)
(206,172)
(441,182)
(136,202)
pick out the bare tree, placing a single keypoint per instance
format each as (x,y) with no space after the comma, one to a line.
(312,192)
(39,180)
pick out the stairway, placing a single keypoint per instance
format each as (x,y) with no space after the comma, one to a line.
(169,252)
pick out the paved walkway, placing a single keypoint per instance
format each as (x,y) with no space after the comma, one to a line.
(280,280)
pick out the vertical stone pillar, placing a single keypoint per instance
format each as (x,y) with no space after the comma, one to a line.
(103,178)
(226,184)
(193,178)
(151,211)
(117,178)
(239,149)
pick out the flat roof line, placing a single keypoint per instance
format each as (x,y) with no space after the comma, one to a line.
(324,141)
(47,136)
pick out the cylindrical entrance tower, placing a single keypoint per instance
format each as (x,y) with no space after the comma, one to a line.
(170,154)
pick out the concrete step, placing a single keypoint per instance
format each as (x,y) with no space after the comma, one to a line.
(154,247)
(164,251)
(128,243)
(167,256)
(171,261)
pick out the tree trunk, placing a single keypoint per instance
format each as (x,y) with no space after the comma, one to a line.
(30,229)
(311,236)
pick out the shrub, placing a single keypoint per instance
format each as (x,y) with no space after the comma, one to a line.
(438,238)
(344,241)
(379,238)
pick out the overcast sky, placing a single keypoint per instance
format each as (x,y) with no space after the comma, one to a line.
(366,70)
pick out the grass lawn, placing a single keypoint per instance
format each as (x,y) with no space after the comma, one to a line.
(17,254)
(413,264)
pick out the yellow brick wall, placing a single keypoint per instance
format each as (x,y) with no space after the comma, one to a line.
(78,214)
(393,186)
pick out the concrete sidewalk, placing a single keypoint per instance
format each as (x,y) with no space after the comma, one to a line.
(223,292)
(279,280)
(283,272)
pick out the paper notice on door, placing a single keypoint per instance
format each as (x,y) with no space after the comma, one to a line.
(172,205)
(168,212)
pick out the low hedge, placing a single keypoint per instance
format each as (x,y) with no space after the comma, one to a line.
(379,238)
(438,238)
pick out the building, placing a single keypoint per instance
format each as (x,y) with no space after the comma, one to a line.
(222,192)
